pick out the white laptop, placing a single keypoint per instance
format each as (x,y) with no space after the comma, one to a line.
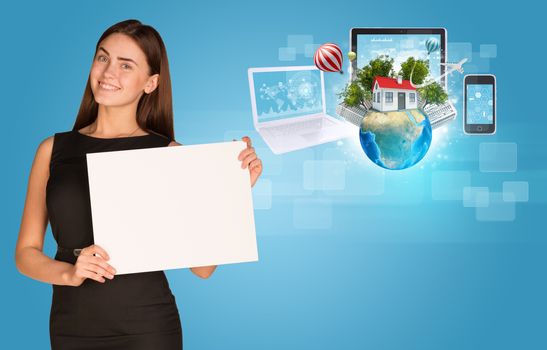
(289,109)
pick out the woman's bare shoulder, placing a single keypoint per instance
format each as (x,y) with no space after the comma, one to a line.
(45,148)
(40,165)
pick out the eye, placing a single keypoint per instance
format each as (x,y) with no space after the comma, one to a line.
(126,66)
(102,58)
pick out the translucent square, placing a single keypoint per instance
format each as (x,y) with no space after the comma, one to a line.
(290,183)
(489,51)
(299,42)
(479,64)
(309,49)
(406,187)
(498,210)
(271,164)
(498,157)
(449,185)
(287,54)
(324,175)
(362,178)
(312,214)
(476,197)
(262,194)
(515,190)
(459,51)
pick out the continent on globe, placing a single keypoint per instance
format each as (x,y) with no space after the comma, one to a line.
(395,140)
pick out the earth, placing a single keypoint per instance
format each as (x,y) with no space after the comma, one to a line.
(395,140)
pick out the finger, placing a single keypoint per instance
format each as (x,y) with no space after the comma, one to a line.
(84,273)
(257,163)
(248,159)
(95,249)
(247,140)
(101,251)
(85,261)
(98,270)
(92,275)
(245,153)
(100,261)
(85,252)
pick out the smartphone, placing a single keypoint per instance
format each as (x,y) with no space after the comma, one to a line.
(479,104)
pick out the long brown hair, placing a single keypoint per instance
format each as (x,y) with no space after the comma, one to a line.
(155,110)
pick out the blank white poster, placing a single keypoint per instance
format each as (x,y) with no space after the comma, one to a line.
(172,207)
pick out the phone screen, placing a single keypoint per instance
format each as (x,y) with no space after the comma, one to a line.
(480,104)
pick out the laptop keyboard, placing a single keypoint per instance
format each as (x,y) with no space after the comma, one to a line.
(296,128)
(439,114)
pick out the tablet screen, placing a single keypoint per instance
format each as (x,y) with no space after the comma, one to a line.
(400,47)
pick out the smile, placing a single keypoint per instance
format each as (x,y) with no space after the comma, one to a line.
(108,87)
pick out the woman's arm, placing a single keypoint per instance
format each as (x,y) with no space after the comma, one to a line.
(202,271)
(29,258)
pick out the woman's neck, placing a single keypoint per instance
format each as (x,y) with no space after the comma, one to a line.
(115,121)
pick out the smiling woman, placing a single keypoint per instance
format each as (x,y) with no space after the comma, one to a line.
(126,105)
(129,60)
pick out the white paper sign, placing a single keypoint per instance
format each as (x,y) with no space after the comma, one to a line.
(172,207)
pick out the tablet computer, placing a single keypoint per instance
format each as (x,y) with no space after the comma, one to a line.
(400,44)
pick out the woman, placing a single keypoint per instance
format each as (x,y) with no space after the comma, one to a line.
(126,105)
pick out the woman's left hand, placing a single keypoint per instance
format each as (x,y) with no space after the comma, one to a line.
(250,160)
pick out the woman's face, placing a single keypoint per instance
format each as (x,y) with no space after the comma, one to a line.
(119,74)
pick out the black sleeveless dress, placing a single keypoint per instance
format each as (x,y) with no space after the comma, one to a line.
(134,311)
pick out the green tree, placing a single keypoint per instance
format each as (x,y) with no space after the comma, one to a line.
(433,94)
(360,89)
(421,70)
(380,66)
(353,94)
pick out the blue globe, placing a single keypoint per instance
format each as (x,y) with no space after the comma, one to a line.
(395,140)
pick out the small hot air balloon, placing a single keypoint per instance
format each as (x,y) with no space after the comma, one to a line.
(352,56)
(431,45)
(328,58)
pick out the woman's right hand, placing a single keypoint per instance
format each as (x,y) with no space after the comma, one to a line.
(91,263)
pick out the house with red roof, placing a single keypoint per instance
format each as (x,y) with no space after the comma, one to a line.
(389,94)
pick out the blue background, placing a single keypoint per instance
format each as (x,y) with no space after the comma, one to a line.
(397,270)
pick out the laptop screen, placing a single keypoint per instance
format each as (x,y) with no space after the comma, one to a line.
(400,47)
(287,94)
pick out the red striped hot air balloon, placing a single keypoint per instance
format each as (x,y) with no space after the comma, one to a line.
(328,58)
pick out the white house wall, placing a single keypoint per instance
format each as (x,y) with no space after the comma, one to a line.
(393,106)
